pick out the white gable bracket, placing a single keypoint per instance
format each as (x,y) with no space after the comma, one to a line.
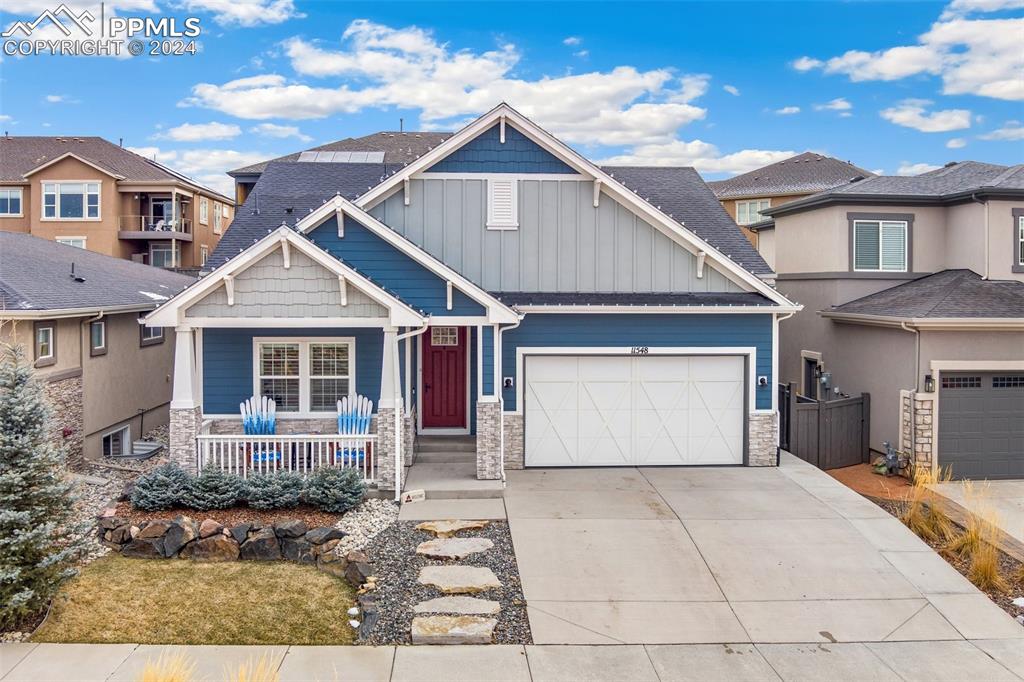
(229,287)
(405,191)
(597,192)
(448,294)
(339,213)
(286,252)
(343,287)
(701,256)
(502,126)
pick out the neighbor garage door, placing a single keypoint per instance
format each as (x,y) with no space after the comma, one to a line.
(981,424)
(634,410)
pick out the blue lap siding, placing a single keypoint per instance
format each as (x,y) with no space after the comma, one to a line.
(392,269)
(486,153)
(652,330)
(228,360)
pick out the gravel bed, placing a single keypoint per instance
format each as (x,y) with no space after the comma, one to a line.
(397,567)
(365,522)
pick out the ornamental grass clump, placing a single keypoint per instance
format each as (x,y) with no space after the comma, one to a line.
(214,489)
(984,570)
(168,668)
(335,490)
(162,488)
(924,512)
(277,490)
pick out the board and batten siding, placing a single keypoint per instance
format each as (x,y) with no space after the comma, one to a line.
(228,363)
(305,289)
(651,330)
(562,244)
(392,269)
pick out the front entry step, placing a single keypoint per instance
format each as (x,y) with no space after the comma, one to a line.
(451,481)
(445,457)
(445,444)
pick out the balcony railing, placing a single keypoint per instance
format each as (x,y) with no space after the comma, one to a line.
(149,223)
(302,453)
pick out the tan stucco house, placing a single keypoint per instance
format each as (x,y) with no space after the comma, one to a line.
(90,193)
(913,291)
(76,313)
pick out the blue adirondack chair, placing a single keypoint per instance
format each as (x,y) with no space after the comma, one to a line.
(354,413)
(259,418)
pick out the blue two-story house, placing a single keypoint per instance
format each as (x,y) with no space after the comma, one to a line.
(500,286)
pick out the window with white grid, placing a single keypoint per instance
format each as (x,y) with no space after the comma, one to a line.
(444,336)
(279,374)
(305,375)
(329,375)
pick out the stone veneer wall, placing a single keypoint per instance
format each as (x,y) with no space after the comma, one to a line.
(184,427)
(515,448)
(763,439)
(917,427)
(67,416)
(488,440)
(409,433)
(386,437)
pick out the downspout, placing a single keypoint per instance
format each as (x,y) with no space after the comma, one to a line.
(974,198)
(81,344)
(779,317)
(501,402)
(399,430)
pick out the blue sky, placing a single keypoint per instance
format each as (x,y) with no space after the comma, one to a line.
(727,86)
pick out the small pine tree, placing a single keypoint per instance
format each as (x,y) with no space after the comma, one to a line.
(161,488)
(40,539)
(335,490)
(214,489)
(279,490)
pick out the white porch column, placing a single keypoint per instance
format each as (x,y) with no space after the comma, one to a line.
(389,395)
(390,467)
(186,410)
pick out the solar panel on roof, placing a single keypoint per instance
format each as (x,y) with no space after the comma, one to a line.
(358,157)
(322,157)
(307,156)
(375,157)
(341,157)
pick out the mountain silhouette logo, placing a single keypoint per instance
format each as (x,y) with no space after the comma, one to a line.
(79,20)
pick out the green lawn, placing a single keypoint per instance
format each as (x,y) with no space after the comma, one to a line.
(177,601)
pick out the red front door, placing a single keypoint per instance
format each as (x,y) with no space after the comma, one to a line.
(444,378)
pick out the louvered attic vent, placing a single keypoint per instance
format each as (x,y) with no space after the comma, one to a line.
(502,204)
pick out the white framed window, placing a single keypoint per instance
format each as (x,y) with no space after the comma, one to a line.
(217,217)
(1020,241)
(502,204)
(150,336)
(444,336)
(10,202)
(204,254)
(164,255)
(98,337)
(71,200)
(304,376)
(749,212)
(77,242)
(45,347)
(880,245)
(118,442)
(204,210)
(226,211)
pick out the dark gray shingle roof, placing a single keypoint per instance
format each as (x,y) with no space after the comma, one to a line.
(802,174)
(35,274)
(526,298)
(398,148)
(950,293)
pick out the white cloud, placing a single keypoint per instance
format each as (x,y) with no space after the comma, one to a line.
(5,118)
(279,131)
(979,56)
(196,132)
(1011,130)
(913,113)
(732,90)
(205,166)
(837,104)
(380,66)
(582,54)
(787,111)
(704,156)
(59,99)
(956,143)
(572,40)
(246,12)
(907,168)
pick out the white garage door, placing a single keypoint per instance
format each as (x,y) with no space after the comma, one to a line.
(633,411)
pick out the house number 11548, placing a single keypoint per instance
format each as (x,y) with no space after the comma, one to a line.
(640,350)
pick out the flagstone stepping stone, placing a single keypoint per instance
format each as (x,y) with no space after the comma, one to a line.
(469,606)
(446,529)
(453,630)
(459,579)
(453,548)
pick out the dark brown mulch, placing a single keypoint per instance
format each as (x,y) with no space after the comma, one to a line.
(1012,569)
(232,516)
(863,479)
(27,624)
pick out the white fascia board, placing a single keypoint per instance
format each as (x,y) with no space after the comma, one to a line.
(588,169)
(930,323)
(661,309)
(55,313)
(172,313)
(76,157)
(497,311)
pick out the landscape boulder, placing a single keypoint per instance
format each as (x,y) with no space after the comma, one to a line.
(144,548)
(290,528)
(241,532)
(209,527)
(261,546)
(218,547)
(319,536)
(297,549)
(182,531)
(154,529)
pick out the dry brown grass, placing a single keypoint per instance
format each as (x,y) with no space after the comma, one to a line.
(115,599)
(168,668)
(923,511)
(985,571)
(260,671)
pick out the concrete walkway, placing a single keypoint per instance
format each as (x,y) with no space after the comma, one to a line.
(926,661)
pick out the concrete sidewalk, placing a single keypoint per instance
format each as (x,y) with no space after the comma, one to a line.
(931,661)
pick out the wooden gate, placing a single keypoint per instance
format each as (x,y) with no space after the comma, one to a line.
(828,433)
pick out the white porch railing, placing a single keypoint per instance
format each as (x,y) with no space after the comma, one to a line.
(302,453)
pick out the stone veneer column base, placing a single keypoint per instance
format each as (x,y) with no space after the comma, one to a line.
(409,434)
(67,419)
(488,440)
(184,427)
(386,441)
(917,428)
(763,440)
(515,452)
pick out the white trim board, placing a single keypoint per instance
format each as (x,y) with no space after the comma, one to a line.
(749,351)
(678,310)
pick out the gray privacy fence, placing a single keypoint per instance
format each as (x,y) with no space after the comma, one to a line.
(826,433)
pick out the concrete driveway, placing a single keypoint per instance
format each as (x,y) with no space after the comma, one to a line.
(729,555)
(1005,498)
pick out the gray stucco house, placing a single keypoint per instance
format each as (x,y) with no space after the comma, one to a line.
(913,291)
(500,287)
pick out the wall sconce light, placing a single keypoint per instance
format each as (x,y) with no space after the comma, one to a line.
(929,383)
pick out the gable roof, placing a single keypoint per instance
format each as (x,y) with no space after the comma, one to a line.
(951,183)
(801,174)
(943,295)
(399,148)
(35,278)
(20,156)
